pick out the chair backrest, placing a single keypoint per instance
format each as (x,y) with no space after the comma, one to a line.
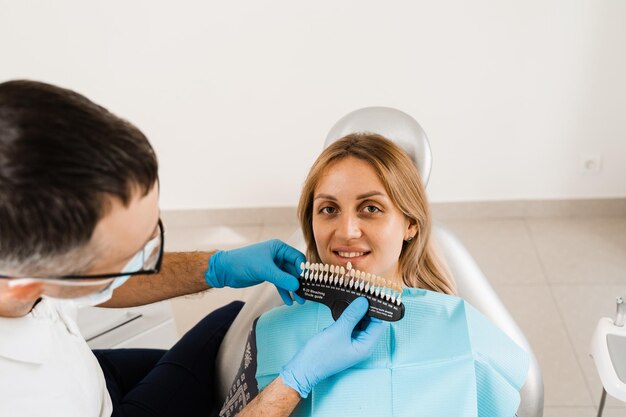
(471,283)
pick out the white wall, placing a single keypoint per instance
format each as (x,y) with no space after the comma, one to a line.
(237,96)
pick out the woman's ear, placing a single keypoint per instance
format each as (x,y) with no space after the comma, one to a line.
(411,231)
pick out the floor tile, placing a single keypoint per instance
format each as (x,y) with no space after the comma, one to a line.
(502,249)
(278,231)
(210,237)
(533,309)
(581,306)
(581,250)
(581,412)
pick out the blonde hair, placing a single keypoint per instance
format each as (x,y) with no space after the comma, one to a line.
(419,265)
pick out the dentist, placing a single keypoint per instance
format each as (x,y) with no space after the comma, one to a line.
(79,225)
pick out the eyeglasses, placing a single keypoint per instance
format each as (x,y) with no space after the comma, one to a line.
(152,258)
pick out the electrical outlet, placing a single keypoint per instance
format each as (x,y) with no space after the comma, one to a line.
(590,164)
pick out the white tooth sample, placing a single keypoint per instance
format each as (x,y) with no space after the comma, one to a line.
(326,275)
(377,292)
(399,300)
(349,266)
(388,290)
(352,273)
(315,271)
(302,268)
(307,267)
(362,281)
(331,277)
(343,273)
(393,298)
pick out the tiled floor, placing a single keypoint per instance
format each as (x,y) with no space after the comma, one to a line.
(557,276)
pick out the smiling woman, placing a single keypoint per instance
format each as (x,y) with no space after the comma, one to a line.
(363,205)
(363,202)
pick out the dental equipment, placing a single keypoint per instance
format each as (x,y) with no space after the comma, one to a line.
(336,287)
(608,349)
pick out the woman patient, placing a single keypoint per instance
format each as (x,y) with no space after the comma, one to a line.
(363,203)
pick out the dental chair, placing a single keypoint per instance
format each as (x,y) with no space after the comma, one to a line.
(471,283)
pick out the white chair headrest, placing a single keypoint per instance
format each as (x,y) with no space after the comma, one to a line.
(393,124)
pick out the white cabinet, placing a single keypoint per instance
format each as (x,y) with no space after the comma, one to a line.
(149,326)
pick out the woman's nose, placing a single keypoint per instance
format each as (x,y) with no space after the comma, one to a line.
(349,227)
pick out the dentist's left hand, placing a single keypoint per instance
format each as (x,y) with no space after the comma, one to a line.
(273,261)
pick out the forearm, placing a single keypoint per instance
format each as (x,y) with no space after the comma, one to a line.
(182,273)
(276,400)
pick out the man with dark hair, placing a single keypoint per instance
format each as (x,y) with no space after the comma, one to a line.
(79,217)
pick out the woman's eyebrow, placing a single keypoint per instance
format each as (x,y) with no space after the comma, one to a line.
(370,194)
(326,196)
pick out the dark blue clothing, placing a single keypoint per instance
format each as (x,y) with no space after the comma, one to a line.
(178,382)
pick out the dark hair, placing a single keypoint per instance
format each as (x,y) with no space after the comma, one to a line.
(62,157)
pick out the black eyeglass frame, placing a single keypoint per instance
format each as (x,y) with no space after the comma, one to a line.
(155,270)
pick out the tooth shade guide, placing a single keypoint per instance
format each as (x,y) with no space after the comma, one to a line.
(335,287)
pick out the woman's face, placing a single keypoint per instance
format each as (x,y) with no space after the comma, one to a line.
(354,220)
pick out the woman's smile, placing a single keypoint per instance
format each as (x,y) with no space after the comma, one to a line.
(350,254)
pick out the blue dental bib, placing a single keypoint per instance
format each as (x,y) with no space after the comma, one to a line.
(443,359)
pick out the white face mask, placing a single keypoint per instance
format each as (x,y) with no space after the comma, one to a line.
(135,264)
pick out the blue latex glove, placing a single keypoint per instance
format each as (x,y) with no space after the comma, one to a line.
(334,349)
(273,261)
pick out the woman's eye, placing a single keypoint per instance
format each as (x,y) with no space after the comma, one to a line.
(371,209)
(328,210)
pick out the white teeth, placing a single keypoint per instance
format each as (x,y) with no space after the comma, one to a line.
(350,254)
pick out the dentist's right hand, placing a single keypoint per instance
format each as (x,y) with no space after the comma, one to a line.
(334,349)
